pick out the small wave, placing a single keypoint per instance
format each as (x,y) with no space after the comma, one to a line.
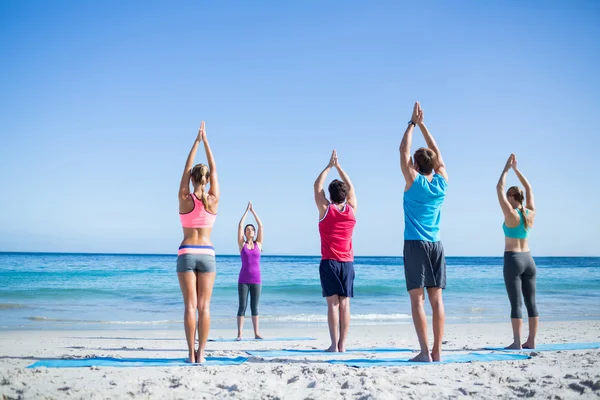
(84,321)
(323,317)
(8,306)
(476,309)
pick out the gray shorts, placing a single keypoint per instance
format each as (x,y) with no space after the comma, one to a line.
(424,264)
(196,263)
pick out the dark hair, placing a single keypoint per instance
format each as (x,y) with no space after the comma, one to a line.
(246,227)
(338,191)
(200,175)
(425,159)
(517,194)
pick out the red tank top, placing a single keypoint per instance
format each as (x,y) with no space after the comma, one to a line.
(336,229)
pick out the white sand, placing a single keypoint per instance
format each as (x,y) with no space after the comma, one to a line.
(550,375)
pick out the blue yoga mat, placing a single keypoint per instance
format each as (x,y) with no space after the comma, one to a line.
(552,347)
(300,352)
(132,362)
(261,340)
(457,358)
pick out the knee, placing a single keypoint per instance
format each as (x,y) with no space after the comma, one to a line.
(345,304)
(203,308)
(531,308)
(190,308)
(516,303)
(254,311)
(333,302)
(417,302)
(515,310)
(437,303)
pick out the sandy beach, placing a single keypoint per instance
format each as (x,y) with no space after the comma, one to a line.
(547,374)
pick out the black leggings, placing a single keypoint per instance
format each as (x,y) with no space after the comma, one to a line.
(245,289)
(519,278)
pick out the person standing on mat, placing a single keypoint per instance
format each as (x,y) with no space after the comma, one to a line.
(519,267)
(424,261)
(336,225)
(249,282)
(196,265)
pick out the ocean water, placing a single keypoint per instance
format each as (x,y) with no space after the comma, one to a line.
(114,291)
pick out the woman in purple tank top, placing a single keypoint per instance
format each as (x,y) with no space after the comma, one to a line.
(249,282)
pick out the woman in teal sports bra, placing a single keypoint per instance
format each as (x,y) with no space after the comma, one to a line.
(519,266)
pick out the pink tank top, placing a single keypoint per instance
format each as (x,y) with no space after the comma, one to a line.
(336,230)
(199,217)
(250,272)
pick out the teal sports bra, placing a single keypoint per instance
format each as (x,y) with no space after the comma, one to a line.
(519,231)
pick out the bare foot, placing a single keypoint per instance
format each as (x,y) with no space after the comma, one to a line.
(436,355)
(238,338)
(257,336)
(513,346)
(421,357)
(332,349)
(529,345)
(200,357)
(341,348)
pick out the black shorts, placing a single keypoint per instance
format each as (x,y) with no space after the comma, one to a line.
(424,264)
(337,278)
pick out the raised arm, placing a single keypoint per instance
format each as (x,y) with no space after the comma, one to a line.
(214,180)
(406,162)
(184,186)
(351,196)
(507,209)
(240,235)
(439,166)
(528,191)
(320,198)
(259,234)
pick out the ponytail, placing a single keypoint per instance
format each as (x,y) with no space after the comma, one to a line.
(526,219)
(203,195)
(200,175)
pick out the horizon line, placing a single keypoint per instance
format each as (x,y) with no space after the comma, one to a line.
(235,254)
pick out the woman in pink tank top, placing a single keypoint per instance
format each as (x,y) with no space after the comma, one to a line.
(196,267)
(249,282)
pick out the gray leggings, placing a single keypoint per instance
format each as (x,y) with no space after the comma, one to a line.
(245,289)
(519,278)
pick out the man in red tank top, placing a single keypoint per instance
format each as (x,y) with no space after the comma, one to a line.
(336,224)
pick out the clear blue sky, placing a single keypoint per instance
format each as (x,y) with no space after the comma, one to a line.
(100,102)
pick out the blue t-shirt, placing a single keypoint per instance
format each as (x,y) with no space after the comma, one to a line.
(422,208)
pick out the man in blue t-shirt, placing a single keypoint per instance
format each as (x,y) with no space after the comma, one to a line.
(424,261)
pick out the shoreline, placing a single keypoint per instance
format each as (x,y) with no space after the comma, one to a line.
(546,374)
(316,322)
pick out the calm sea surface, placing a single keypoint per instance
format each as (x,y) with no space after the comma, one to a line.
(114,291)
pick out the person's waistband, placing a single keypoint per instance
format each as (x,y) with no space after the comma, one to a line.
(191,249)
(518,253)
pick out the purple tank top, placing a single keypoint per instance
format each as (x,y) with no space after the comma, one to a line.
(250,272)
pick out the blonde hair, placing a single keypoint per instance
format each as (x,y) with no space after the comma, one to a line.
(200,176)
(517,194)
